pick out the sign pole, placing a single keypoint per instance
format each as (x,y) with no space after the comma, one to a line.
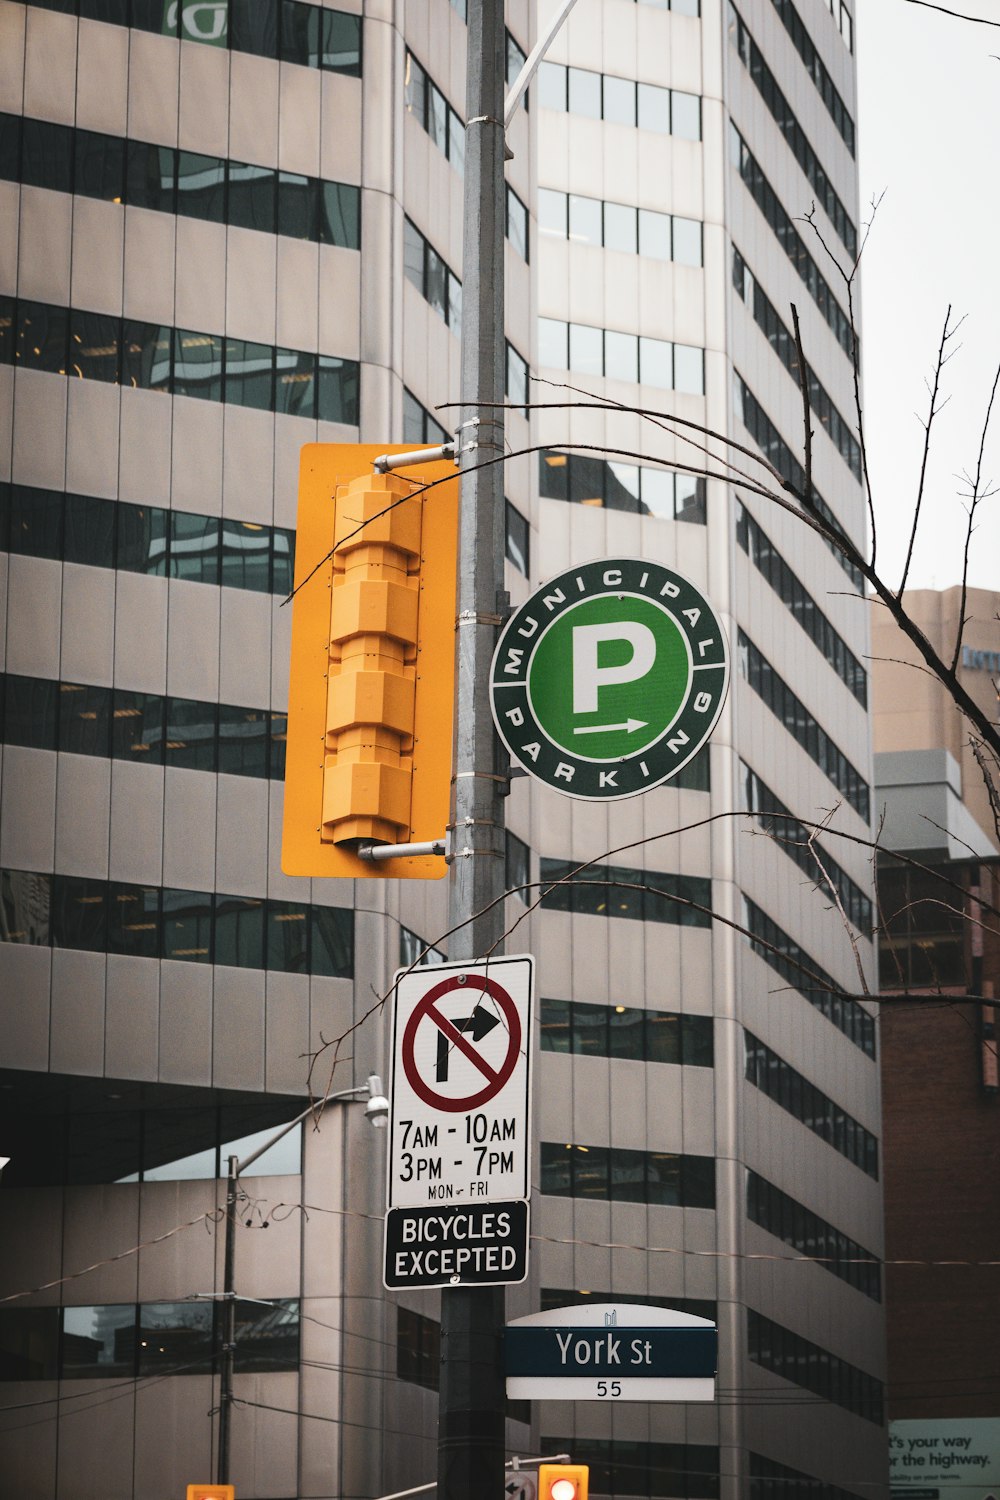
(471,1409)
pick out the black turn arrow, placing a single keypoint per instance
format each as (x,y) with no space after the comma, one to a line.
(480,1024)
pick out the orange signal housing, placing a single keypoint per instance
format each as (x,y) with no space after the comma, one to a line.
(371,691)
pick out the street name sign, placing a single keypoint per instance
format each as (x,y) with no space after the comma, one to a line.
(611,1351)
(459,1096)
(483,1244)
(610,678)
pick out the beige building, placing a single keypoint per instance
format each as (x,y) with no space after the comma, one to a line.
(231,227)
(915,711)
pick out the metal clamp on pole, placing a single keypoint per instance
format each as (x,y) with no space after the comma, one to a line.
(372,852)
(386,462)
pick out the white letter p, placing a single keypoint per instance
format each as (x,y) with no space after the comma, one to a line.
(589,678)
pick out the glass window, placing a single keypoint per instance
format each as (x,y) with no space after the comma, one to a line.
(244,1129)
(685,115)
(282,559)
(295,383)
(150,174)
(84,719)
(627,1176)
(100,166)
(279,737)
(25,907)
(98,1342)
(585,219)
(584,93)
(517,377)
(134,920)
(690,503)
(103,1146)
(267,1338)
(250,374)
(252,197)
(688,242)
(586,349)
(93,346)
(654,234)
(552,85)
(10,147)
(90,531)
(29,1343)
(625,1032)
(620,228)
(41,337)
(7,332)
(246,553)
(332,946)
(253,27)
(656,363)
(197,365)
(437,116)
(689,369)
(191,733)
(619,99)
(31,712)
(552,218)
(243,735)
(187,926)
(201,186)
(662,1037)
(341,44)
(176,1338)
(239,932)
(415,90)
(698,1181)
(298,204)
(145,356)
(553,348)
(36,521)
(517,863)
(654,108)
(337,393)
(339,215)
(201,21)
(590,1171)
(79,913)
(658,493)
(137,727)
(300,34)
(47,155)
(696,1041)
(517,224)
(663,1174)
(194,547)
(288,937)
(517,539)
(555,1021)
(621,362)
(557,1171)
(622,480)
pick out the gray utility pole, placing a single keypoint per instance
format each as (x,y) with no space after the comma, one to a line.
(471,1410)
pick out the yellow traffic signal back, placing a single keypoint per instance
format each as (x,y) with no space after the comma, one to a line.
(371,689)
(211,1492)
(563,1481)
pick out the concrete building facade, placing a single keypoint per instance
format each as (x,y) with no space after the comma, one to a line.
(232,228)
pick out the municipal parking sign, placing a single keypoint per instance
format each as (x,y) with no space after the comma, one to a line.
(610,678)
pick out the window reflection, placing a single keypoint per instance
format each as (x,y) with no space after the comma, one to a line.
(84,719)
(25,907)
(287,937)
(191,734)
(41,337)
(79,913)
(29,1343)
(194,547)
(201,186)
(175,1338)
(239,932)
(137,727)
(134,920)
(93,346)
(197,365)
(187,926)
(98,1342)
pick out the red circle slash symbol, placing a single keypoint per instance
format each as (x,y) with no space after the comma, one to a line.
(426,1009)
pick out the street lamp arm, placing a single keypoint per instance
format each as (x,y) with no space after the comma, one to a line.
(372,1090)
(527,73)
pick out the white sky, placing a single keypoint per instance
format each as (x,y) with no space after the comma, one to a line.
(929,135)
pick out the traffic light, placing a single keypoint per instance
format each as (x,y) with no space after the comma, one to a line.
(372,682)
(211,1492)
(563,1481)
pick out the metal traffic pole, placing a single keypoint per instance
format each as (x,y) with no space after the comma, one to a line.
(471,1410)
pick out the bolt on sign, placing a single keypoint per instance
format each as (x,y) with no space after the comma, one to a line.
(610,678)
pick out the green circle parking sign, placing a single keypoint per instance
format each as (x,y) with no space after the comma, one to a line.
(610,678)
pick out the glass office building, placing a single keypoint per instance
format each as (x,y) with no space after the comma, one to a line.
(231,227)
